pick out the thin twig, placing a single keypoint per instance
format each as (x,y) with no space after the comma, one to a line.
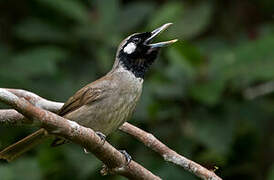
(259,90)
(168,154)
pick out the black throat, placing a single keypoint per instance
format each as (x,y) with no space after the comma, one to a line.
(138,66)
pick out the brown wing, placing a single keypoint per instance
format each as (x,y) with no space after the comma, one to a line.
(84,96)
(87,95)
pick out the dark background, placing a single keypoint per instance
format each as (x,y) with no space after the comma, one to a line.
(209,96)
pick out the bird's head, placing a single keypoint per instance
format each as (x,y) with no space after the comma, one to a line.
(137,52)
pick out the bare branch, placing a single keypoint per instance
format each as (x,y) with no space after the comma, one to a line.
(15,118)
(168,154)
(12,117)
(86,137)
(260,90)
(36,100)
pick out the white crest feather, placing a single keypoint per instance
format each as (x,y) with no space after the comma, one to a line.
(130,48)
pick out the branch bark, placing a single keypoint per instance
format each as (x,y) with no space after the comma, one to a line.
(168,154)
(14,118)
(259,90)
(86,137)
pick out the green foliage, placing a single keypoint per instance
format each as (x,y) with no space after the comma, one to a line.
(194,95)
(72,9)
(35,30)
(7,170)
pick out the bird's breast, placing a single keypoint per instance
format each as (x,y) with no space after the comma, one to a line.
(107,114)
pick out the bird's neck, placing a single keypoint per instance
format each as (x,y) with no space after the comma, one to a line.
(126,76)
(137,67)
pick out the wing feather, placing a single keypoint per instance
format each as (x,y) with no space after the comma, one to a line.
(84,96)
(87,95)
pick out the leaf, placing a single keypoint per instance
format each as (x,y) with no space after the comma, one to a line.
(108,12)
(271,173)
(134,14)
(208,92)
(243,65)
(168,12)
(70,8)
(213,131)
(248,62)
(173,173)
(5,52)
(30,63)
(87,165)
(194,21)
(168,90)
(35,30)
(32,172)
(177,59)
(104,57)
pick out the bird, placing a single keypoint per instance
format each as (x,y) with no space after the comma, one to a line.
(108,102)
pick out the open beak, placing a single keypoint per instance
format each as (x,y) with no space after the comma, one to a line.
(155,33)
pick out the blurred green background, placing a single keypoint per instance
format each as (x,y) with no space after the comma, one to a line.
(209,96)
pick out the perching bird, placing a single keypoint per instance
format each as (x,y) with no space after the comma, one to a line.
(108,102)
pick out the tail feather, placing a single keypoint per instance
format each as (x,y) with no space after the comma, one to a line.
(15,150)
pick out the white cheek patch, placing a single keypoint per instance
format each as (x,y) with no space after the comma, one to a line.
(130,48)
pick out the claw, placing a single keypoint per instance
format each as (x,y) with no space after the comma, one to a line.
(102,136)
(86,151)
(127,156)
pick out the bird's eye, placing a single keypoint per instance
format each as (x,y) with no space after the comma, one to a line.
(136,40)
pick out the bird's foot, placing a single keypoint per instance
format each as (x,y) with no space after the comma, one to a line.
(105,170)
(127,156)
(102,136)
(86,151)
